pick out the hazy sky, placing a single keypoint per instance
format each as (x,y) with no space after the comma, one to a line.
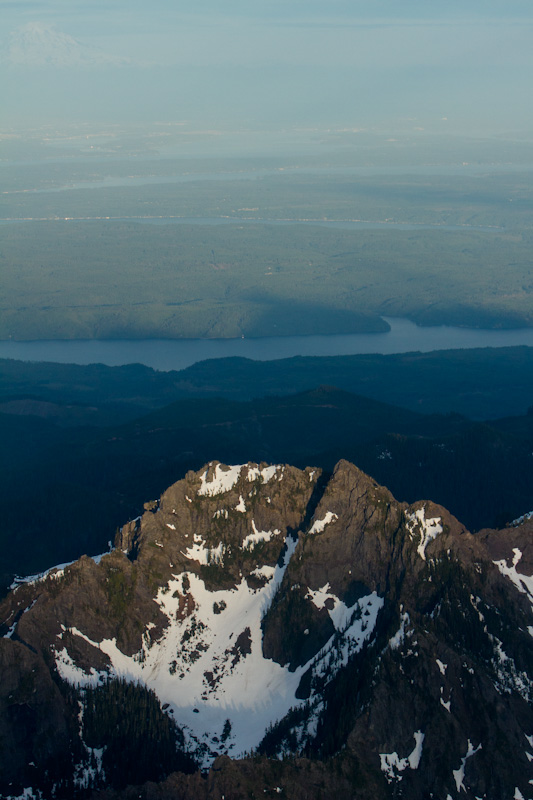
(457,66)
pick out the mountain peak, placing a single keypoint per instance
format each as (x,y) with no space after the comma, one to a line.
(294,614)
(40,44)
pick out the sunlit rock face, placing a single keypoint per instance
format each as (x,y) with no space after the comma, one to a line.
(287,613)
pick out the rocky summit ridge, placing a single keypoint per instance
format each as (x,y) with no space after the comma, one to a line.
(263,630)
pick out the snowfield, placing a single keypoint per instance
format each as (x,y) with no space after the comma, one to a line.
(209,666)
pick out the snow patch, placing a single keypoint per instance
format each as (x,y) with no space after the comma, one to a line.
(205,555)
(509,678)
(29,793)
(459,774)
(258,536)
(399,637)
(524,583)
(446,705)
(73,674)
(319,596)
(264,571)
(56,572)
(19,616)
(522,519)
(241,505)
(11,631)
(416,755)
(85,775)
(266,474)
(222,481)
(441,666)
(352,627)
(428,529)
(211,661)
(392,764)
(319,524)
(209,665)
(341,615)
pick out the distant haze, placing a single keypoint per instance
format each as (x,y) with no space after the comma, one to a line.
(447,67)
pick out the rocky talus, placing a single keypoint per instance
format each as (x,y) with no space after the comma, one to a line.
(267,631)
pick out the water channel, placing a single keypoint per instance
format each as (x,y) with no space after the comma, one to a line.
(175,354)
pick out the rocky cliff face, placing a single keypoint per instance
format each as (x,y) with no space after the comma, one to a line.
(373,649)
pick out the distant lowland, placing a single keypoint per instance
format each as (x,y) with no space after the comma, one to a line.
(299,252)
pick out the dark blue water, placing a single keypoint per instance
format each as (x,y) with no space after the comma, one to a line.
(169,354)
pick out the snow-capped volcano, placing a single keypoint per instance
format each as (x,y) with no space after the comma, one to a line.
(39,44)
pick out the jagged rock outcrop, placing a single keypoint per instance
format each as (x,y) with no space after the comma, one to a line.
(381,647)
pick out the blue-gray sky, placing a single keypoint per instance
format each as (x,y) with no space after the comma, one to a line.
(454,66)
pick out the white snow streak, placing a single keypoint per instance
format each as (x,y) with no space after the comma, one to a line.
(241,505)
(266,474)
(258,536)
(522,519)
(399,637)
(447,705)
(524,583)
(428,529)
(319,524)
(392,764)
(459,774)
(19,616)
(222,481)
(54,572)
(353,626)
(341,615)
